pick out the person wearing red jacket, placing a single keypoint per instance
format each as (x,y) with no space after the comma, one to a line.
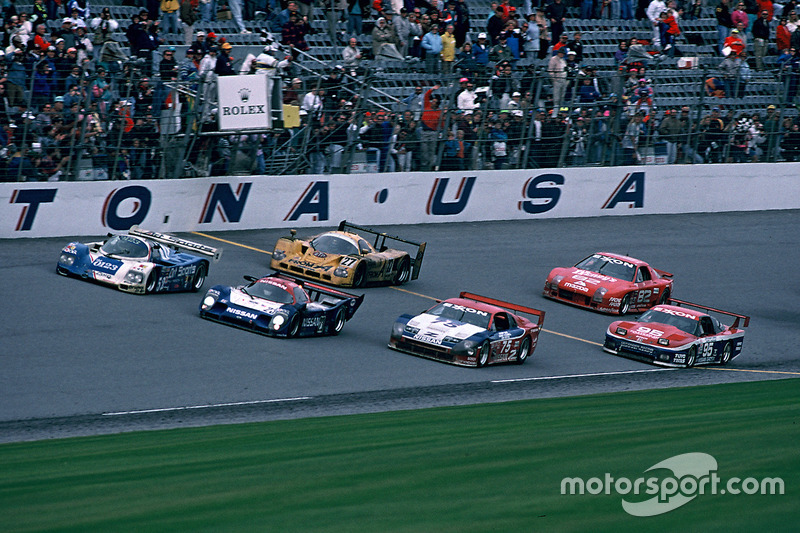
(39,40)
(734,44)
(431,120)
(783,36)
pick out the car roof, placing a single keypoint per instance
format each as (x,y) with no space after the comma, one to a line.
(353,237)
(637,262)
(286,284)
(480,306)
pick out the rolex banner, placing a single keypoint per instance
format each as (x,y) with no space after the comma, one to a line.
(244,102)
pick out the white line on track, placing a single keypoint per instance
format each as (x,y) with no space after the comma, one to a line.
(209,406)
(542,378)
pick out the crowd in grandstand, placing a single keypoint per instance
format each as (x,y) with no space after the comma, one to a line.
(80,89)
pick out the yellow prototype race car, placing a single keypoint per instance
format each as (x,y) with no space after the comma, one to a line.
(346,259)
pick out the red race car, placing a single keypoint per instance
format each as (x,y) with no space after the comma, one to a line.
(678,334)
(609,283)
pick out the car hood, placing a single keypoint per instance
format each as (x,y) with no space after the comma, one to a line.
(649,333)
(438,327)
(578,279)
(241,299)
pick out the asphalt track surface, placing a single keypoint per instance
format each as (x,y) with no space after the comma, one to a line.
(81,359)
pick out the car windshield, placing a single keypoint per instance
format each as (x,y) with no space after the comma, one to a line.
(685,324)
(608,266)
(462,314)
(268,291)
(334,244)
(125,246)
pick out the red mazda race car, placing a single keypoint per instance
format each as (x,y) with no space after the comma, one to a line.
(678,334)
(609,283)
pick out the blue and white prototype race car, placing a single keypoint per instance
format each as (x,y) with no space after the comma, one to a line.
(678,334)
(140,262)
(280,306)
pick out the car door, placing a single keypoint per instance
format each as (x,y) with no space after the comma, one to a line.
(506,337)
(646,293)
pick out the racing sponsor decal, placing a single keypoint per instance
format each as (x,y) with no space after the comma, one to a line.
(108,266)
(588,274)
(314,321)
(465,309)
(427,338)
(675,312)
(348,261)
(175,277)
(308,264)
(241,313)
(579,286)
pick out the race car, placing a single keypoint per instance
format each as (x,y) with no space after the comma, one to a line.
(678,334)
(280,306)
(470,330)
(346,259)
(609,283)
(140,262)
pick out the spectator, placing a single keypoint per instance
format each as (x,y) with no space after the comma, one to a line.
(733,45)
(654,10)
(531,44)
(480,50)
(382,34)
(65,32)
(432,44)
(495,25)
(575,45)
(761,34)
(236,13)
(40,42)
(630,140)
(224,66)
(103,27)
(783,36)
(790,144)
(501,51)
(431,126)
(556,69)
(356,11)
(465,100)
(669,131)
(556,14)
(294,35)
(188,16)
(415,102)
(712,131)
(724,24)
(694,10)
(448,50)
(462,22)
(739,15)
(351,55)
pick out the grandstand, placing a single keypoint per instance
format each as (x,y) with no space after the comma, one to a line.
(194,148)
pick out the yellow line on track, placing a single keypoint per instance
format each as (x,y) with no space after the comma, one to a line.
(207,236)
(753,371)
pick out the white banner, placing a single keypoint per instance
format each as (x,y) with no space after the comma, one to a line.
(254,202)
(244,102)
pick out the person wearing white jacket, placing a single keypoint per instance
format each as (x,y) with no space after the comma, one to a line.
(654,14)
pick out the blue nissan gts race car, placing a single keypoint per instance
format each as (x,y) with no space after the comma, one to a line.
(280,306)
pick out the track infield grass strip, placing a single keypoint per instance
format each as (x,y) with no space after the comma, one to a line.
(493,467)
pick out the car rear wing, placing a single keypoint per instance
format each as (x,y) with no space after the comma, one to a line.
(177,242)
(506,305)
(325,295)
(746,319)
(380,244)
(662,273)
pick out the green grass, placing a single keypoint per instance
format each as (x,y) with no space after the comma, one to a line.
(461,469)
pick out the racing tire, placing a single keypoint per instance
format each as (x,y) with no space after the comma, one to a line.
(403,273)
(294,326)
(339,321)
(524,351)
(625,304)
(664,297)
(150,284)
(360,275)
(483,355)
(726,355)
(691,357)
(199,278)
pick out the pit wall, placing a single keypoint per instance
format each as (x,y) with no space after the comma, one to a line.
(53,209)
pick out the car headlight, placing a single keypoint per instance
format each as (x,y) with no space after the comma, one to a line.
(599,294)
(278,255)
(341,272)
(209,301)
(622,331)
(466,346)
(134,278)
(397,330)
(451,340)
(276,322)
(411,330)
(663,342)
(555,281)
(66,259)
